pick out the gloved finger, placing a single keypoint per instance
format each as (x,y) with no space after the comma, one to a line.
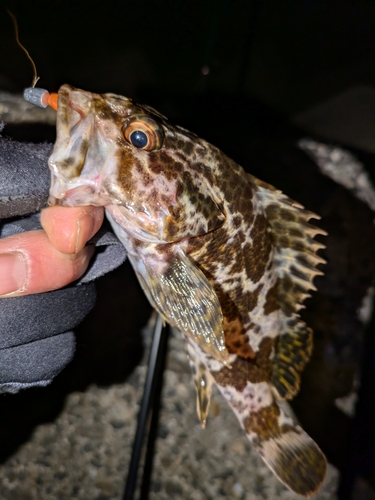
(35,363)
(69,228)
(29,263)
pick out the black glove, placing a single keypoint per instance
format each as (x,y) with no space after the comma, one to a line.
(36,341)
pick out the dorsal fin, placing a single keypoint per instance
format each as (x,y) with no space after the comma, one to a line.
(296,260)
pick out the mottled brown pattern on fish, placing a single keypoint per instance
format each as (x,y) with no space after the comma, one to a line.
(257,369)
(192,220)
(236,339)
(206,247)
(229,306)
(125,177)
(304,469)
(251,298)
(264,423)
(272,299)
(172,228)
(238,252)
(103,110)
(258,251)
(138,244)
(187,147)
(237,302)
(162,163)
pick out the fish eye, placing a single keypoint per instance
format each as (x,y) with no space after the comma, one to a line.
(139,139)
(143,132)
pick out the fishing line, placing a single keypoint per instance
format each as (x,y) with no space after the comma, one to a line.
(36,96)
(36,77)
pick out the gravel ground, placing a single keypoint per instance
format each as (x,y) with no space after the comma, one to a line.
(84,454)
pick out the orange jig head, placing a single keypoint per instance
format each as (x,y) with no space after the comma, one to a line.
(40,97)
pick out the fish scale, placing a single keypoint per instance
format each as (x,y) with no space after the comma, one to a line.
(223,256)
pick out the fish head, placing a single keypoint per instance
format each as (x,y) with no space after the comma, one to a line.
(110,151)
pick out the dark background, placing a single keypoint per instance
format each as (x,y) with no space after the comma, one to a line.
(291,54)
(234,72)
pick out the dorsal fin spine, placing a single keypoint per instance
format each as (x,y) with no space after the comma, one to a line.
(296,257)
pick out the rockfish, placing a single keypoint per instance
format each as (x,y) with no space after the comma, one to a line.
(223,256)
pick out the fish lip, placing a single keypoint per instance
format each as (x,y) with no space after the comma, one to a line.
(71,192)
(66,197)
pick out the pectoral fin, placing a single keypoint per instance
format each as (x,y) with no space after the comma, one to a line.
(185,298)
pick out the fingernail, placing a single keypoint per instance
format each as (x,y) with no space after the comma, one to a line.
(85,227)
(13,273)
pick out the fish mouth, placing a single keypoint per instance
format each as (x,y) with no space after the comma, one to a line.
(78,196)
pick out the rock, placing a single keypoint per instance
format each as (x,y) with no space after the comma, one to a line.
(89,446)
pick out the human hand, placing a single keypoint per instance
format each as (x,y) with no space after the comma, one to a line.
(36,337)
(40,261)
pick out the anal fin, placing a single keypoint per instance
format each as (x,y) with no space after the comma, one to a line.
(203,383)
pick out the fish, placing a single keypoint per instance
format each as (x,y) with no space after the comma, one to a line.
(225,257)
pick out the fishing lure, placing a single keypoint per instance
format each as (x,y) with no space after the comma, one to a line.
(223,256)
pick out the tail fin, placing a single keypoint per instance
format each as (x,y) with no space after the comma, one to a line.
(295,459)
(291,454)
